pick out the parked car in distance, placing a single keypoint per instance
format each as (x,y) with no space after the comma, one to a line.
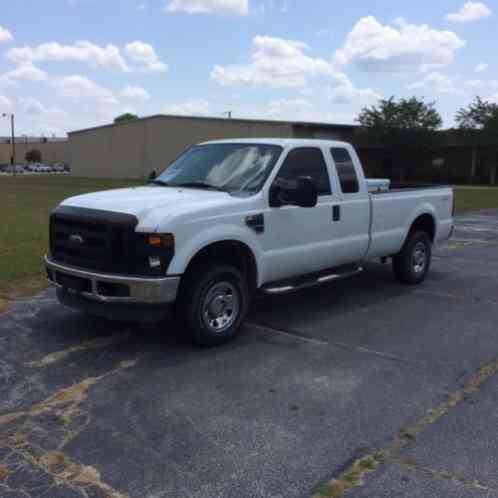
(34,167)
(18,169)
(229,218)
(57,168)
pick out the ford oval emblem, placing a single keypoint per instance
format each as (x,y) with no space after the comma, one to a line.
(77,239)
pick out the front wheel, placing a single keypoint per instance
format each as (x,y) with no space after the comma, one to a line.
(412,264)
(213,303)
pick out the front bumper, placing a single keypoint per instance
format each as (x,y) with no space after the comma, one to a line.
(116,289)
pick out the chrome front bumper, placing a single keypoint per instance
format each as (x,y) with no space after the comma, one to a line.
(138,290)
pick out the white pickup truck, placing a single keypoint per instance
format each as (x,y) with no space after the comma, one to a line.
(229,218)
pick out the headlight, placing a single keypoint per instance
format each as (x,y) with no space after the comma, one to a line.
(154,252)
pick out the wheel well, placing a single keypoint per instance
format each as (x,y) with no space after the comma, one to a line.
(231,252)
(425,223)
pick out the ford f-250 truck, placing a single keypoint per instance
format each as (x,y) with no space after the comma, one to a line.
(229,218)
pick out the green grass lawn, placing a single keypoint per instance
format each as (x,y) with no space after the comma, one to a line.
(474,198)
(25,203)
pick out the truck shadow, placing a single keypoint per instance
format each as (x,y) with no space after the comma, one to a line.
(314,309)
(72,335)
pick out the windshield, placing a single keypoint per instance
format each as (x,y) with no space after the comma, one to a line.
(228,167)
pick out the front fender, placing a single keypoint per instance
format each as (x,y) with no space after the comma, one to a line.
(221,233)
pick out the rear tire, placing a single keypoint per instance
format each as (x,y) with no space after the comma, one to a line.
(412,264)
(213,303)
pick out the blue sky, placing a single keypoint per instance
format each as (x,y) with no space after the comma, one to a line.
(71,64)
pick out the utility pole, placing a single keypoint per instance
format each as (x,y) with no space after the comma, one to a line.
(13,160)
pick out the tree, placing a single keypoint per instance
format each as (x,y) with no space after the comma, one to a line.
(479,122)
(127,116)
(33,156)
(411,122)
(477,115)
(401,124)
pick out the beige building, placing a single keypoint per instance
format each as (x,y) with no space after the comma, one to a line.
(52,150)
(134,149)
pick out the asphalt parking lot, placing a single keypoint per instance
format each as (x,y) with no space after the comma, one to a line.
(363,387)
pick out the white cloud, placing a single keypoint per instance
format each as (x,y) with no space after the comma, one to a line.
(79,89)
(42,120)
(470,11)
(437,82)
(108,57)
(195,107)
(135,93)
(481,67)
(5,103)
(141,7)
(145,55)
(26,71)
(290,109)
(34,107)
(230,7)
(5,35)
(295,109)
(275,62)
(400,47)
(344,92)
(482,83)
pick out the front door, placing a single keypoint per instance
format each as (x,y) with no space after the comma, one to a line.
(299,240)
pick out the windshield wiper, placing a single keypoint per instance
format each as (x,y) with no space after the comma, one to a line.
(200,185)
(161,182)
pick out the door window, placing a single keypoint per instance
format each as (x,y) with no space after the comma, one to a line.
(306,161)
(345,170)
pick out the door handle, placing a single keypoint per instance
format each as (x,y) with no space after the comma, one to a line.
(336,213)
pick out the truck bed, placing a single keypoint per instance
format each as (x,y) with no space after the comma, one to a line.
(393,211)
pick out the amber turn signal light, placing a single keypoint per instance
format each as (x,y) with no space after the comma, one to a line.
(166,240)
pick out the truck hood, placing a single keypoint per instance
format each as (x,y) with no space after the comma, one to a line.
(140,201)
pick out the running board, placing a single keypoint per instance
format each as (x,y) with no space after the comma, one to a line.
(288,286)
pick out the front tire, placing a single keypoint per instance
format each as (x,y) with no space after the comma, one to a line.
(213,303)
(412,264)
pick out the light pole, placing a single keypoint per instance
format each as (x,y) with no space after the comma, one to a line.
(13,157)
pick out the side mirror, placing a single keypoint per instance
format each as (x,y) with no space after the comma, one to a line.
(306,194)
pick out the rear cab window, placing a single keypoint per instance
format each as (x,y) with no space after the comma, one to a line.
(346,172)
(304,161)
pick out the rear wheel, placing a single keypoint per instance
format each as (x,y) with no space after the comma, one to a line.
(412,264)
(213,303)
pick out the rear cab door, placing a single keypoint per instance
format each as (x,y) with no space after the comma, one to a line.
(351,209)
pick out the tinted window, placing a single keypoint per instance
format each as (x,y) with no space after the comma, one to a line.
(345,171)
(304,162)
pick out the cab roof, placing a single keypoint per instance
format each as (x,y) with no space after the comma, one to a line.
(282,142)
